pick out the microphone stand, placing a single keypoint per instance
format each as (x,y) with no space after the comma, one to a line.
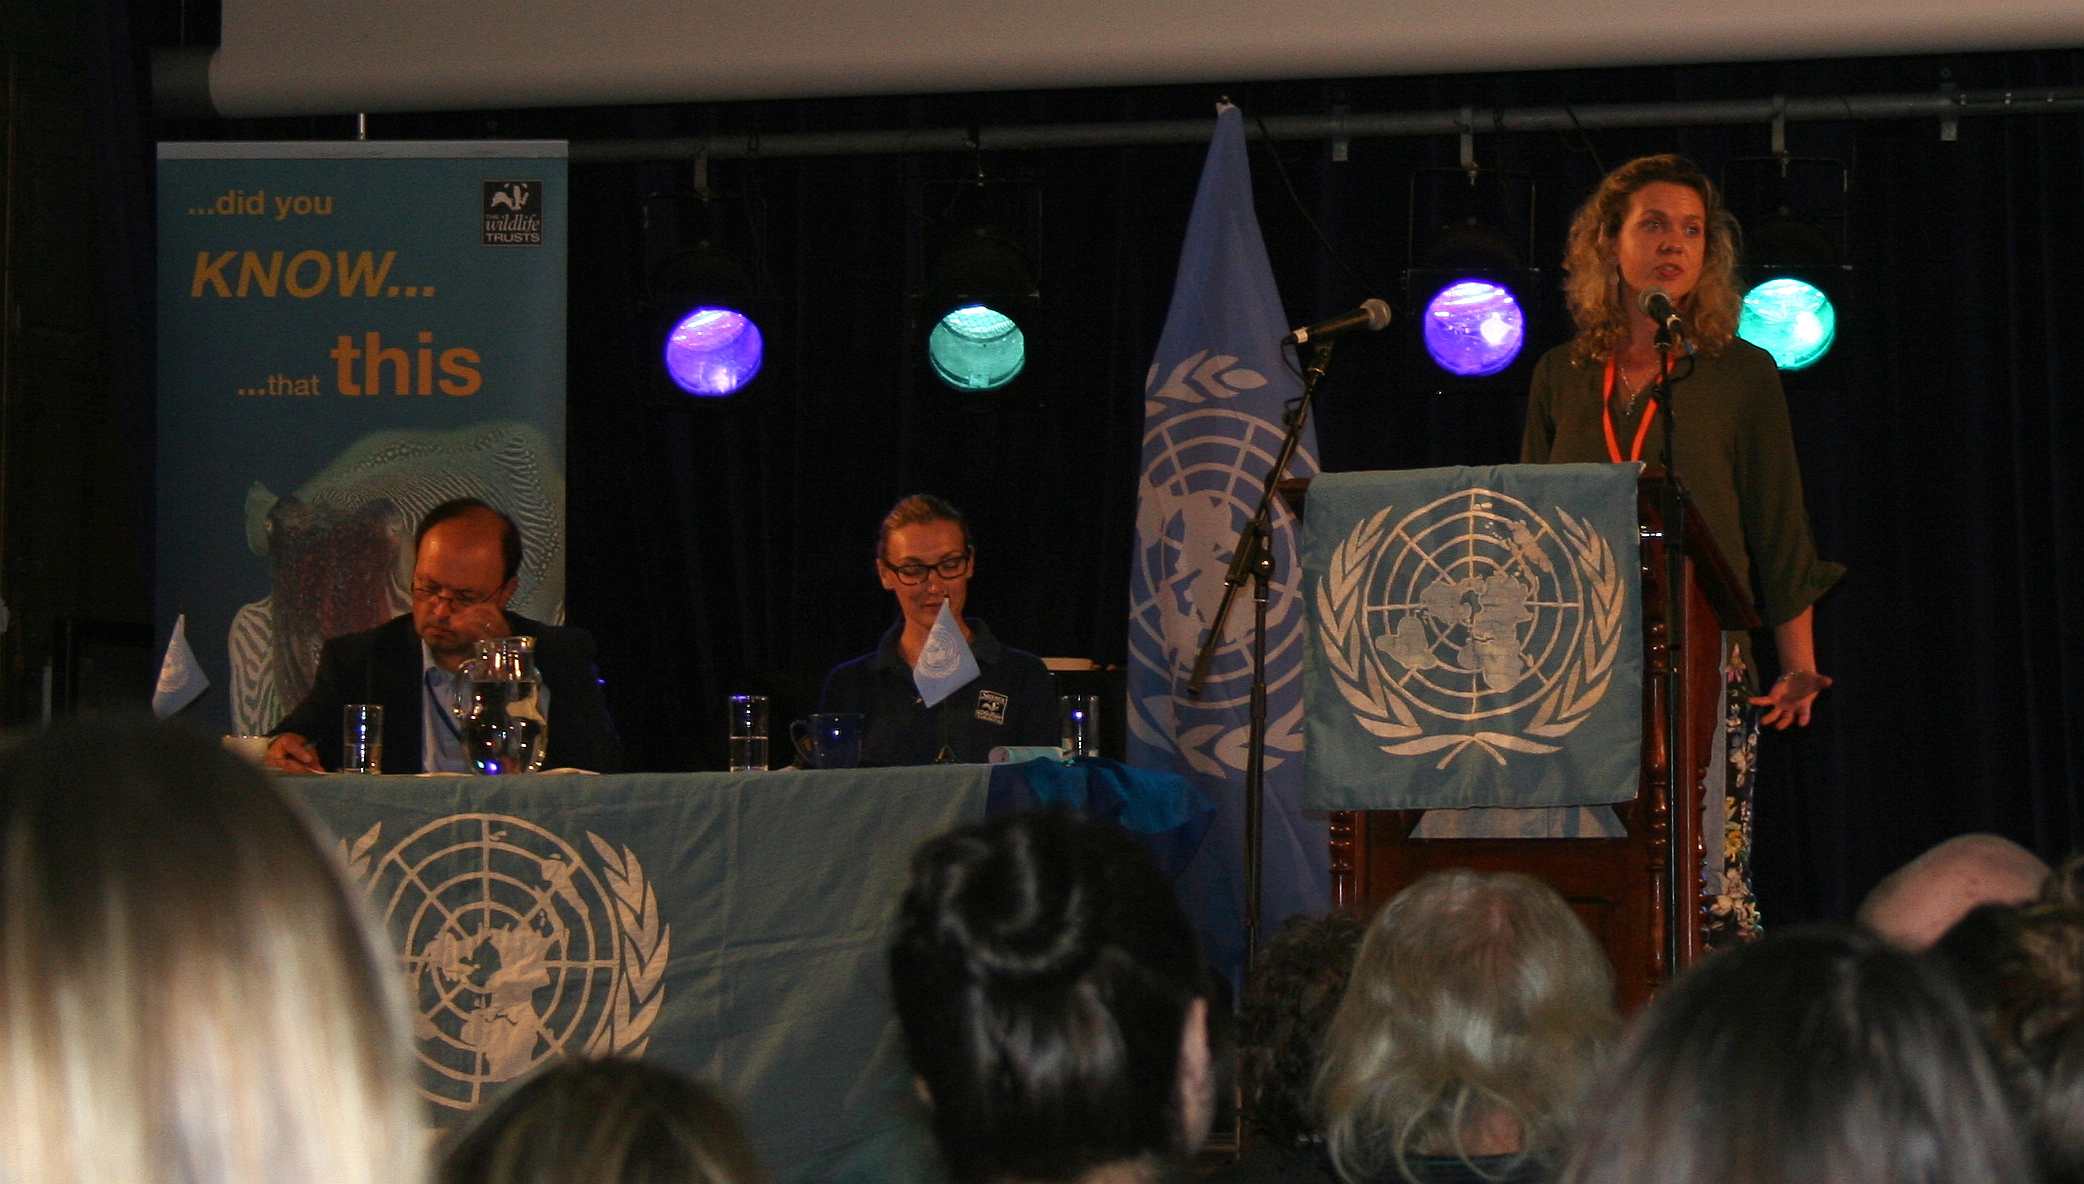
(1254,555)
(1678,771)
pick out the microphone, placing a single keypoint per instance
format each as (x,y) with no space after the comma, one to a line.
(1659,308)
(1372,315)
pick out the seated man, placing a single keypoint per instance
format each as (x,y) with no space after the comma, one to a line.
(925,557)
(1917,902)
(464,560)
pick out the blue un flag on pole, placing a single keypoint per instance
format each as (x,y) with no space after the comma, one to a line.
(1212,406)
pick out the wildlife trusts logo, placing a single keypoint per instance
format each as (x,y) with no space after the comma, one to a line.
(513,213)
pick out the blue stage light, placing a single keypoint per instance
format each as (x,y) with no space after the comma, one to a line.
(713,352)
(1474,328)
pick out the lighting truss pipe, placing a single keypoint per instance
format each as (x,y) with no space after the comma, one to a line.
(1942,105)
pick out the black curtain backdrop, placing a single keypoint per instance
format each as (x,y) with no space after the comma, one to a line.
(726,546)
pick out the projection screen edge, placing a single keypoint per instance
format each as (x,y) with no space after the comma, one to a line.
(291,79)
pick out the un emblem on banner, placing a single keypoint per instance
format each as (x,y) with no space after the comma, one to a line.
(516,948)
(1201,483)
(1472,623)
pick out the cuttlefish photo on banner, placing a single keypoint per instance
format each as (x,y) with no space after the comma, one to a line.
(349,334)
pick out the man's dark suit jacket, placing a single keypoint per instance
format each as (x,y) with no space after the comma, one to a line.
(382,665)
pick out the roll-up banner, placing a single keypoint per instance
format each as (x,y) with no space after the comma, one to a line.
(349,334)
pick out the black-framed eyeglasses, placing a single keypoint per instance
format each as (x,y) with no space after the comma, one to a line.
(458,598)
(952,567)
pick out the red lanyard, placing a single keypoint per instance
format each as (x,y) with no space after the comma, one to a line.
(1606,415)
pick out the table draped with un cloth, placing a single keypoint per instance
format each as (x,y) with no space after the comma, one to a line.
(731,926)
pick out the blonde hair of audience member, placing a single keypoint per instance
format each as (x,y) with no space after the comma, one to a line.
(1054,1003)
(1817,1054)
(1476,1009)
(605,1122)
(1917,902)
(188,991)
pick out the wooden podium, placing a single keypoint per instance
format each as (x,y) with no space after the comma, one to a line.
(1626,890)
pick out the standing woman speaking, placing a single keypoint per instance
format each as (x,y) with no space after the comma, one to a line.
(1658,224)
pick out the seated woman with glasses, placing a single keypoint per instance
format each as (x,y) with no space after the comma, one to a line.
(925,557)
(465,557)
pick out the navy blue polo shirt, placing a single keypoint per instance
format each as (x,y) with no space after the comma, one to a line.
(1012,701)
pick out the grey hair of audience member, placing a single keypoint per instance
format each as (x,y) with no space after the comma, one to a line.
(1820,1053)
(604,1122)
(189,991)
(1475,997)
(1053,1000)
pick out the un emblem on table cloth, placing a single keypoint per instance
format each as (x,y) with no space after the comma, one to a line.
(516,947)
(1471,625)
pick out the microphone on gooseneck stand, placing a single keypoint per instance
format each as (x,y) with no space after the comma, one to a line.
(1659,308)
(1372,315)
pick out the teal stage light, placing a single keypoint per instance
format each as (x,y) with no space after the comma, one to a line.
(1791,319)
(983,310)
(976,348)
(1797,290)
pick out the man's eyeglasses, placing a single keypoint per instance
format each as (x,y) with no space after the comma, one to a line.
(458,598)
(953,567)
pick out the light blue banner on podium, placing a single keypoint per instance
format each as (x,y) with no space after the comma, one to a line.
(1475,638)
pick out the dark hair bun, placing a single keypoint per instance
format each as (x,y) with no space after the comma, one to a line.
(1017,910)
(1042,972)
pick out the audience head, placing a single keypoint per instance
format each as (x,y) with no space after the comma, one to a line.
(1053,1001)
(1290,996)
(1477,1007)
(1917,902)
(1817,1054)
(188,990)
(604,1122)
(2022,969)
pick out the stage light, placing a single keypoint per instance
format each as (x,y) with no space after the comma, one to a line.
(1471,293)
(1474,327)
(980,308)
(712,352)
(1800,292)
(709,342)
(975,348)
(1791,319)
(1791,269)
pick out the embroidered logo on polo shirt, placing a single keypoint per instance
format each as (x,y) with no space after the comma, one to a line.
(991,706)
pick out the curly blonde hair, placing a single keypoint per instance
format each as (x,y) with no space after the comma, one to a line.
(1593,282)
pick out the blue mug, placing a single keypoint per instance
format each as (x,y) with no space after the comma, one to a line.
(829,739)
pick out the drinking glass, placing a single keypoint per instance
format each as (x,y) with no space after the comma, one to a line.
(746,734)
(1079,716)
(362,738)
(829,739)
